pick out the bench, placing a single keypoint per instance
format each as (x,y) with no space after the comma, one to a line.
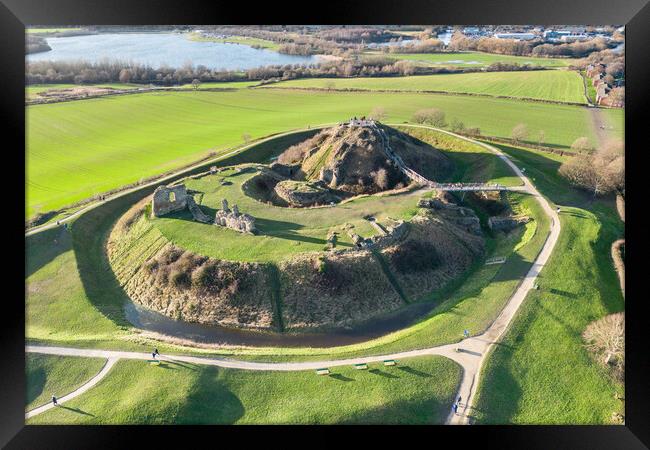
(362,366)
(390,362)
(322,371)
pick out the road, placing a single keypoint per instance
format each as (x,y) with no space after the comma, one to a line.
(470,354)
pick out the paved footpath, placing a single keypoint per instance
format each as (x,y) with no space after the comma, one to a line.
(470,354)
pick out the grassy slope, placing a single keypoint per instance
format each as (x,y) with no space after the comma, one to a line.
(181,393)
(467,59)
(49,375)
(542,373)
(554,85)
(77,149)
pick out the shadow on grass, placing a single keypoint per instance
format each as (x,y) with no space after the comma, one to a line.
(412,371)
(338,376)
(44,247)
(422,411)
(76,410)
(209,402)
(35,383)
(89,234)
(381,373)
(500,391)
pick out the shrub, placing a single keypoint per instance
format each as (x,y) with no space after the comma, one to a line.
(179,278)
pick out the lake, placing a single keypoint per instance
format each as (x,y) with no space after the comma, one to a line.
(158,49)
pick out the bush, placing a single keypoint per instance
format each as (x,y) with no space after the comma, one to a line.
(179,278)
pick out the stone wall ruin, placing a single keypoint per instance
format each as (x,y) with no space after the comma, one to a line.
(234,220)
(167,199)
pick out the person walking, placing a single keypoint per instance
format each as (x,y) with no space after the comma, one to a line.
(54,402)
(153,355)
(155,350)
(456,408)
(459,399)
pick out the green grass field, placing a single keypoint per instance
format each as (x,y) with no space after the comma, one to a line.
(552,85)
(49,375)
(78,149)
(416,391)
(542,373)
(475,59)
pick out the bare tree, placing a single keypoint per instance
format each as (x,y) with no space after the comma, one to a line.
(600,172)
(519,132)
(542,137)
(606,339)
(125,76)
(379,113)
(196,83)
(457,126)
(246,137)
(330,85)
(582,144)
(430,116)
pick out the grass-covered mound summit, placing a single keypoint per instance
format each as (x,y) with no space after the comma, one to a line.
(354,160)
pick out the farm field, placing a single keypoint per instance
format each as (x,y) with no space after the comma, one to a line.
(49,375)
(544,344)
(551,85)
(475,59)
(78,149)
(135,392)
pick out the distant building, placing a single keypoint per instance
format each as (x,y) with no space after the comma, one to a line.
(517,36)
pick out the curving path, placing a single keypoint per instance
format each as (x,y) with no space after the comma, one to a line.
(471,353)
(89,384)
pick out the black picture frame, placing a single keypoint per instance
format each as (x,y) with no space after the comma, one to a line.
(634,14)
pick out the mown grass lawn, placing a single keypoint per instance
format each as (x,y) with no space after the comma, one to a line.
(81,148)
(416,391)
(552,85)
(541,373)
(476,59)
(49,375)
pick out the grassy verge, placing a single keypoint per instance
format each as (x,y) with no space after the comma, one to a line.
(417,391)
(541,373)
(49,375)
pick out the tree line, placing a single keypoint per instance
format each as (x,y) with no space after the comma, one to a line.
(83,72)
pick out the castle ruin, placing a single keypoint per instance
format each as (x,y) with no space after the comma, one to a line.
(233,219)
(167,199)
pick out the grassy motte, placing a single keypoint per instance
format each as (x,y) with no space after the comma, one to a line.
(49,375)
(416,391)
